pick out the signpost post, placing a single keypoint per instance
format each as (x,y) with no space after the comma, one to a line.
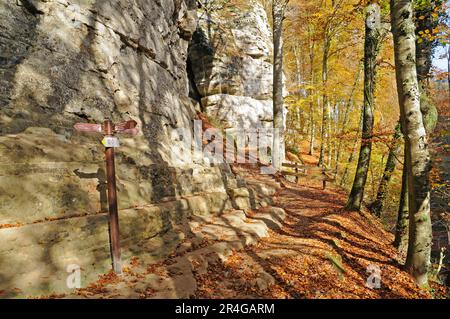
(108,129)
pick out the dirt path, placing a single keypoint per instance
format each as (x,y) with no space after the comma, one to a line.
(315,250)
(321,251)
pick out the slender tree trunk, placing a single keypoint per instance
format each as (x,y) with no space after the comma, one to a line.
(298,72)
(348,106)
(278,7)
(448,70)
(377,206)
(402,226)
(313,129)
(424,21)
(417,156)
(311,103)
(371,48)
(325,102)
(299,123)
(329,136)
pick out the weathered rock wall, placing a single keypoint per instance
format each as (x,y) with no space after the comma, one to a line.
(63,62)
(83,61)
(230,59)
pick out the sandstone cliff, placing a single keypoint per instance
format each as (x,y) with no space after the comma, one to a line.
(230,62)
(63,62)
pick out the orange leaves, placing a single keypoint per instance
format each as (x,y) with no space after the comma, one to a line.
(321,252)
(99,287)
(10,225)
(134,261)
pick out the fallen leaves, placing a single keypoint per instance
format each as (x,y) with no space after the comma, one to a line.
(321,251)
(332,251)
(10,225)
(98,287)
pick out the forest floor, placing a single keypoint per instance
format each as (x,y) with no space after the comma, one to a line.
(440,193)
(322,251)
(319,251)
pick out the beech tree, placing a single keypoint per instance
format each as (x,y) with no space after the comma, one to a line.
(324,134)
(371,48)
(310,93)
(417,158)
(278,9)
(425,20)
(331,28)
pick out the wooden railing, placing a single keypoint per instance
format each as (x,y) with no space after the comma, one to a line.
(308,171)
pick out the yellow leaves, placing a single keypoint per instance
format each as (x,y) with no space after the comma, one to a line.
(310,87)
(126,269)
(427,34)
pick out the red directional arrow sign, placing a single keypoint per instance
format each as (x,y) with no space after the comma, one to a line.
(124,126)
(108,129)
(86,127)
(128,127)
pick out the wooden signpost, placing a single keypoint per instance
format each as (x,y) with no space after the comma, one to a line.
(108,129)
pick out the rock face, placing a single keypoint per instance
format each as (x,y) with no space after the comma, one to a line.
(63,62)
(83,61)
(230,61)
